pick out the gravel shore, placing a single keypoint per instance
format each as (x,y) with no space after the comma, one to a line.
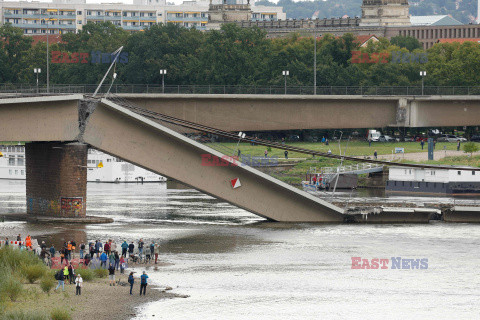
(98,300)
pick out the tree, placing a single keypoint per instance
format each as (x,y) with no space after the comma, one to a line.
(409,43)
(470,147)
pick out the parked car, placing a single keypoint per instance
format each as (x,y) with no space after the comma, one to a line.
(450,138)
(475,138)
(385,138)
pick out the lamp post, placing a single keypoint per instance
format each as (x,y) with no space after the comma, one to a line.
(37,71)
(48,55)
(423,75)
(285,73)
(315,63)
(163,72)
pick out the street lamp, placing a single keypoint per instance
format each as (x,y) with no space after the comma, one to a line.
(163,72)
(37,71)
(48,55)
(315,62)
(285,73)
(423,74)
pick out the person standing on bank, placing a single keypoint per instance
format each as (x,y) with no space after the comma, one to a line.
(131,280)
(286,154)
(78,285)
(375,154)
(422,143)
(111,274)
(143,283)
(458,145)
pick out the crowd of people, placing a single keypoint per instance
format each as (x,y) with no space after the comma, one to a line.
(94,254)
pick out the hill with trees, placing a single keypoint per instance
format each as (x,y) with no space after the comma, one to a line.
(464,11)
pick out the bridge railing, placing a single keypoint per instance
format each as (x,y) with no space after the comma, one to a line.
(263,90)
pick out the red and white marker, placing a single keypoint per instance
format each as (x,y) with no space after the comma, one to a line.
(235,183)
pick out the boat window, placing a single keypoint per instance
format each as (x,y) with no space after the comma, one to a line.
(405,171)
(109,160)
(410,171)
(410,183)
(434,185)
(395,183)
(459,172)
(403,183)
(11,161)
(22,172)
(473,173)
(426,184)
(10,171)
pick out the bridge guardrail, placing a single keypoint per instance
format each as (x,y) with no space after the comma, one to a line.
(267,90)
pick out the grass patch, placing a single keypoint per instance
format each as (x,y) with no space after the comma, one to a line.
(33,272)
(354,148)
(60,314)
(47,283)
(101,273)
(87,274)
(10,287)
(23,315)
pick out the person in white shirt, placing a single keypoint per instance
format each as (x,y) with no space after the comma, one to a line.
(78,284)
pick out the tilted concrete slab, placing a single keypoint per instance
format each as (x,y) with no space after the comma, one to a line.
(50,118)
(122,133)
(242,112)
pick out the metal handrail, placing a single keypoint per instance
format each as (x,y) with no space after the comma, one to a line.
(240,89)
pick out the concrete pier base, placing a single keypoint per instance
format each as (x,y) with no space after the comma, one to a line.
(462,214)
(56,181)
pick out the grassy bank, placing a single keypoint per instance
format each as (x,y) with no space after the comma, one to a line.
(26,292)
(465,160)
(355,148)
(24,280)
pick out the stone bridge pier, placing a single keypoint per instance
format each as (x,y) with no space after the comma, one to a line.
(56,181)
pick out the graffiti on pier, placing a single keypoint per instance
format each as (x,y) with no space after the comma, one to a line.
(71,206)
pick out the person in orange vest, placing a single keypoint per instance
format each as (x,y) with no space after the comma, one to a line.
(69,251)
(28,241)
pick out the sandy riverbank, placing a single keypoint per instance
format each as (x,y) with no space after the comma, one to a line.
(98,301)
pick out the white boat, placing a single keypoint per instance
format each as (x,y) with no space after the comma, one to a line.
(101,167)
(430,181)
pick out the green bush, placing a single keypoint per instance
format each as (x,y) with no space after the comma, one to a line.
(100,273)
(15,259)
(33,272)
(47,283)
(10,286)
(60,314)
(87,274)
(23,315)
(470,147)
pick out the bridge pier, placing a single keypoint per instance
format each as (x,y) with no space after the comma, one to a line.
(56,182)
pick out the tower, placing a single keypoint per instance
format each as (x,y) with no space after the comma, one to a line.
(227,12)
(385,13)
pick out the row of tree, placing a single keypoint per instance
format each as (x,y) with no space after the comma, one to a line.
(234,56)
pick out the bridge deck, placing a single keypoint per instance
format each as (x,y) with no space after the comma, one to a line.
(122,133)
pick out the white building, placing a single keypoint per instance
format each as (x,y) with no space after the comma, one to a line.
(63,16)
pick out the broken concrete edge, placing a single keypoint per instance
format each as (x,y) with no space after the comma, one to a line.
(198,145)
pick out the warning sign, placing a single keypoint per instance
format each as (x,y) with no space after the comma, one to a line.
(235,183)
(100,164)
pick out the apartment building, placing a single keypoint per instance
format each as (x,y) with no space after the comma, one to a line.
(63,16)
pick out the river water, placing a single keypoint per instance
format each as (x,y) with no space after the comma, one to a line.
(234,265)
